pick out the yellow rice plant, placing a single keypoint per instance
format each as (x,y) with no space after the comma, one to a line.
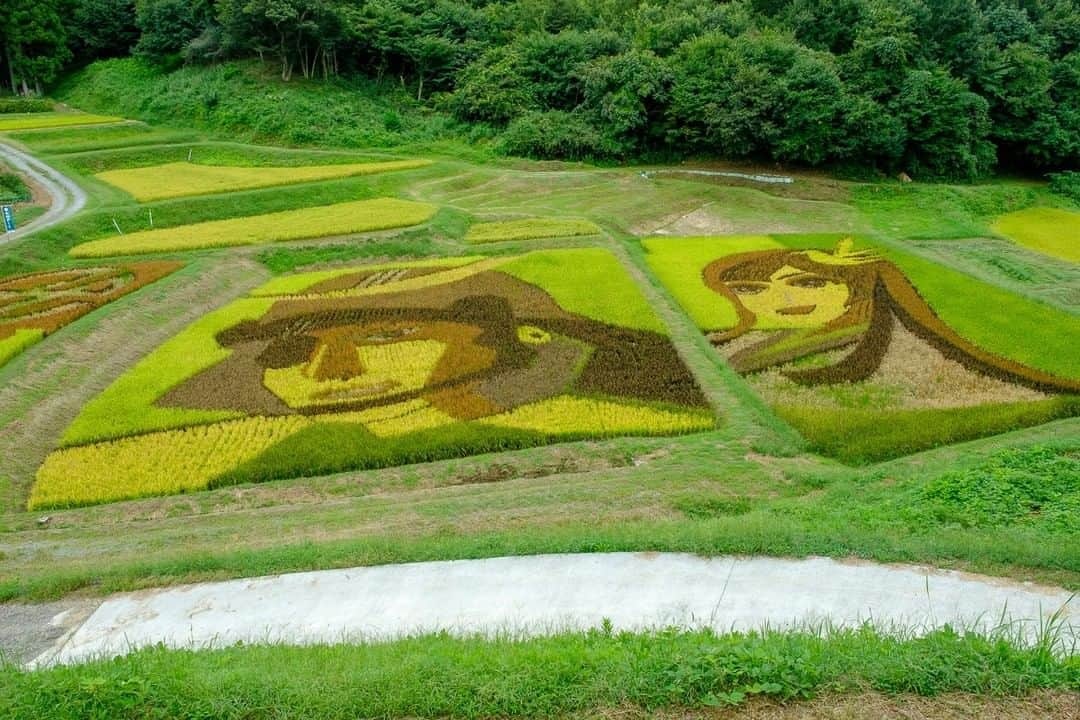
(530,229)
(329,220)
(569,415)
(163,463)
(183,179)
(50,120)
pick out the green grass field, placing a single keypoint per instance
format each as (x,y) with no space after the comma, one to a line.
(951,440)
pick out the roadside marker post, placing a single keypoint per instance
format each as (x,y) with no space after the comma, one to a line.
(9,219)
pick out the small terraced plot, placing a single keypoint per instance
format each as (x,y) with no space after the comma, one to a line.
(183,179)
(840,341)
(378,366)
(34,305)
(326,221)
(32,121)
(530,229)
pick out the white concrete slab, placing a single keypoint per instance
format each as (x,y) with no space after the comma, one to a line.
(542,594)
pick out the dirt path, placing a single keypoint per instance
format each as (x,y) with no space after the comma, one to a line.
(47,385)
(67,197)
(542,594)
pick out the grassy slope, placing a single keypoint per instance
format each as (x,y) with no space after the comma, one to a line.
(245,100)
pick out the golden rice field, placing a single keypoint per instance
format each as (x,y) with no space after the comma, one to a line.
(34,121)
(340,219)
(184,179)
(1047,230)
(530,229)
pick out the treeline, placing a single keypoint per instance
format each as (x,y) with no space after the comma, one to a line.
(935,88)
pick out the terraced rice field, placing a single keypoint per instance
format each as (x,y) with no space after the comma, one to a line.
(342,219)
(530,229)
(32,121)
(183,179)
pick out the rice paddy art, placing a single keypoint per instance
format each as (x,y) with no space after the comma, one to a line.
(841,344)
(36,304)
(377,366)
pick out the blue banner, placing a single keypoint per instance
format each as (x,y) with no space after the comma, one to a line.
(9,219)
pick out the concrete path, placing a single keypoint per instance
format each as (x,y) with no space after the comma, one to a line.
(547,593)
(67,197)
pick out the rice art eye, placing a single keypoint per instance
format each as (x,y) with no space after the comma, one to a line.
(811,281)
(747,288)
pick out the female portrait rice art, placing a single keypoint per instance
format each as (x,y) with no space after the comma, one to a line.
(793,304)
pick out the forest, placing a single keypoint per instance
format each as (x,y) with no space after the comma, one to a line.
(950,89)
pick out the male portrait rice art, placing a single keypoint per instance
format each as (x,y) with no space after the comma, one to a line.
(374,367)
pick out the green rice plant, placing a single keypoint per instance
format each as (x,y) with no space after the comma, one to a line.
(678,264)
(598,287)
(182,179)
(859,436)
(530,229)
(1047,230)
(1017,328)
(298,284)
(340,219)
(51,120)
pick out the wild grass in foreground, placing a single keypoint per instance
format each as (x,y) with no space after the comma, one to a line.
(440,676)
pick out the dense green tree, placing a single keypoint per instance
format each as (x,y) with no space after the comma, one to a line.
(101,28)
(554,134)
(625,95)
(494,88)
(300,34)
(946,126)
(35,43)
(167,26)
(757,96)
(932,87)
